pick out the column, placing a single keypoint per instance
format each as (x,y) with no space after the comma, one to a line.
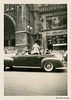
(21,33)
(44,41)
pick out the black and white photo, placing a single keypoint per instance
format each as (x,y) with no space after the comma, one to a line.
(35,49)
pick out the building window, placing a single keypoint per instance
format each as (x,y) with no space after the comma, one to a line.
(56,22)
(59,39)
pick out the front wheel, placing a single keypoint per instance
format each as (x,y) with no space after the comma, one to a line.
(48,66)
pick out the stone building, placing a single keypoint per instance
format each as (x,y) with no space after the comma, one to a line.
(26,23)
(20,24)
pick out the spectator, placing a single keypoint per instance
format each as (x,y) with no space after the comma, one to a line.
(47,51)
(26,53)
(5,51)
(65,56)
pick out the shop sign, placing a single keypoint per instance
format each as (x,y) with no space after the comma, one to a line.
(57,32)
(50,8)
(56,13)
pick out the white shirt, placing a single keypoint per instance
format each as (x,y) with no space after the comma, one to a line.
(36,48)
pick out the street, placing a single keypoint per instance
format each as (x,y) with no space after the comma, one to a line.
(35,82)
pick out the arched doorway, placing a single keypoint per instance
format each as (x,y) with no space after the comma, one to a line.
(9,31)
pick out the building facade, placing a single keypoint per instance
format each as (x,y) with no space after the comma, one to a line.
(48,20)
(54,22)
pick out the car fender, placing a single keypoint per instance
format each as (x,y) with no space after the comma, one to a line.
(55,61)
(8,62)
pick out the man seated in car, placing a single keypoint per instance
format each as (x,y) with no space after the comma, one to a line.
(36,49)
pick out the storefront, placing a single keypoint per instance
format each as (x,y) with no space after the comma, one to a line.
(54,26)
(57,40)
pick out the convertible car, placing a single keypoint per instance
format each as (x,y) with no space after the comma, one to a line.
(47,62)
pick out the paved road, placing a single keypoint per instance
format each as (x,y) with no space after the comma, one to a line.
(35,82)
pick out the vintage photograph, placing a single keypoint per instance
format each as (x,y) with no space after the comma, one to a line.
(35,50)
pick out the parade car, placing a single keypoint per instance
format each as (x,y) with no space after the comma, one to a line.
(47,62)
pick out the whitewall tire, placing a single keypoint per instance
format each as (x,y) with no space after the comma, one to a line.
(48,66)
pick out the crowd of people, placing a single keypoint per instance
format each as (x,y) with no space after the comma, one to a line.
(18,51)
(36,49)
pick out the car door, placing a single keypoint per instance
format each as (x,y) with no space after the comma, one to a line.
(19,60)
(28,60)
(33,60)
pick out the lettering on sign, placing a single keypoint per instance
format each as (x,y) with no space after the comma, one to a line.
(57,32)
(49,8)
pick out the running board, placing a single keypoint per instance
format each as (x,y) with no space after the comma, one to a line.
(25,67)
